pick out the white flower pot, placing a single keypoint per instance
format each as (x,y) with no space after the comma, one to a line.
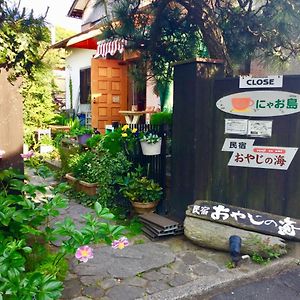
(151,149)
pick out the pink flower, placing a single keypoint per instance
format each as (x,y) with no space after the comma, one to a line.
(29,154)
(120,243)
(84,253)
(2,152)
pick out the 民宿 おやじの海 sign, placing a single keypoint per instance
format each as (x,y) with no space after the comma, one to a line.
(284,227)
(260,103)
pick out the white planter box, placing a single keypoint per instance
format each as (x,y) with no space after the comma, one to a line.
(46,149)
(151,149)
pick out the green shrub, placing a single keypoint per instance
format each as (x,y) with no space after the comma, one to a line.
(161,118)
(93,141)
(27,269)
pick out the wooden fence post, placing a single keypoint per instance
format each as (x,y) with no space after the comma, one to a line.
(193,106)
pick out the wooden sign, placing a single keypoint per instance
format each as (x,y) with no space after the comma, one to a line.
(263,157)
(260,103)
(284,227)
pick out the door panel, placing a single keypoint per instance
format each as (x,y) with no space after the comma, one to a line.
(109,92)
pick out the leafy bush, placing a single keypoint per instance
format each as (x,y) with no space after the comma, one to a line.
(161,118)
(83,166)
(27,270)
(93,141)
(100,166)
(121,139)
(136,187)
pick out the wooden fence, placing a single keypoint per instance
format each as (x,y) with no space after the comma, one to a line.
(199,166)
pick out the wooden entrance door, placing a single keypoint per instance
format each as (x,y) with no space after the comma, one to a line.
(109,92)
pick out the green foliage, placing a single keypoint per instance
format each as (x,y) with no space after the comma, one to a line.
(27,269)
(136,187)
(230,265)
(149,137)
(121,139)
(265,252)
(80,130)
(161,118)
(102,167)
(162,36)
(93,141)
(82,166)
(22,36)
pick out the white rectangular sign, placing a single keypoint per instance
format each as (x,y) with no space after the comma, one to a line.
(236,126)
(249,82)
(237,144)
(260,128)
(265,157)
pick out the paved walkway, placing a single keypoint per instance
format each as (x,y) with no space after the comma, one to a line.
(173,268)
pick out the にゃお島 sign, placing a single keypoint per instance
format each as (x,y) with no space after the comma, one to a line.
(260,103)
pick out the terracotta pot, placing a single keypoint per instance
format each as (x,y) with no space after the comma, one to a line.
(82,186)
(142,208)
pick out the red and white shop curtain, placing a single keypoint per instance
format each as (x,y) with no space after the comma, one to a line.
(110,47)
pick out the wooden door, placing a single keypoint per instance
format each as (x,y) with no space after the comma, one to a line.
(109,92)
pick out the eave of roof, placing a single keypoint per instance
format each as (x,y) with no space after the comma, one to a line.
(90,33)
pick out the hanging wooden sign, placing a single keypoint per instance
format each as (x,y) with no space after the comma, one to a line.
(260,103)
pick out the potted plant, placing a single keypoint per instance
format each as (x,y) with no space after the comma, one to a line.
(82,176)
(143,193)
(150,143)
(83,134)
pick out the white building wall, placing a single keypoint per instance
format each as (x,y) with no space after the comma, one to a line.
(77,60)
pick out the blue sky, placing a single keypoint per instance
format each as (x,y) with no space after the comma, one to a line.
(57,14)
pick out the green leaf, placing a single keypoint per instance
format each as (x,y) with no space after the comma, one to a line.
(98,208)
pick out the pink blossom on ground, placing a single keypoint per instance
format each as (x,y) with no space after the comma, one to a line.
(84,253)
(121,243)
(29,154)
(2,152)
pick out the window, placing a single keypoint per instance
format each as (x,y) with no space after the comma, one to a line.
(85,86)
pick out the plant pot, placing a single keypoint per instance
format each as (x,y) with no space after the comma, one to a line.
(143,208)
(82,186)
(83,138)
(151,149)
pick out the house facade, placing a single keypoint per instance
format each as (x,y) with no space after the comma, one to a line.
(97,72)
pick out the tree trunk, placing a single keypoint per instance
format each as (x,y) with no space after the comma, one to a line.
(203,15)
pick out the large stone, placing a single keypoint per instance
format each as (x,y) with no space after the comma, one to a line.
(130,261)
(123,292)
(216,236)
(72,289)
(94,292)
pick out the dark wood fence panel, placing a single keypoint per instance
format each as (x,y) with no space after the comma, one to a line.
(11,123)
(199,167)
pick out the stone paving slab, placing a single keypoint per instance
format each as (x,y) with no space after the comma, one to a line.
(125,263)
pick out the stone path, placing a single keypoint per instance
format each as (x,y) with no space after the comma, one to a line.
(146,270)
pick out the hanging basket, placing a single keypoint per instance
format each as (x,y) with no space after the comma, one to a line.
(151,149)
